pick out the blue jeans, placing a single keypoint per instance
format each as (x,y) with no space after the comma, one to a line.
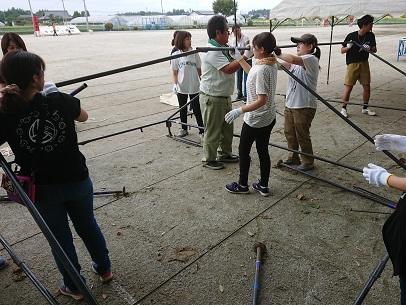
(55,203)
(402,281)
(242,80)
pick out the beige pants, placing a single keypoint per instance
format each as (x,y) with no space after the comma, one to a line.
(297,132)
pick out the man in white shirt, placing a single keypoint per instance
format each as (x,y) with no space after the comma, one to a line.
(216,88)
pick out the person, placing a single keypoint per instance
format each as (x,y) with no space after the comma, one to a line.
(259,114)
(174,49)
(357,62)
(394,229)
(54,29)
(186,72)
(241,41)
(63,186)
(12,42)
(216,88)
(301,105)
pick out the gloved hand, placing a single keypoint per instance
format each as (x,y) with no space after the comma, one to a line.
(349,45)
(366,47)
(49,88)
(236,54)
(248,53)
(232,115)
(390,142)
(175,89)
(376,175)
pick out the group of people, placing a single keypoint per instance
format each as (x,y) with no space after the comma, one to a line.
(52,158)
(217,71)
(59,169)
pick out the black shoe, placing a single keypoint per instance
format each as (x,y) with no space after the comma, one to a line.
(291,162)
(213,165)
(305,167)
(229,159)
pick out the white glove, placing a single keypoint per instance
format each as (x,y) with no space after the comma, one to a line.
(376,175)
(232,115)
(248,53)
(390,142)
(366,47)
(236,54)
(349,45)
(49,88)
(175,88)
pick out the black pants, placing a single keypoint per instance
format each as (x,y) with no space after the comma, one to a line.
(402,280)
(261,137)
(182,99)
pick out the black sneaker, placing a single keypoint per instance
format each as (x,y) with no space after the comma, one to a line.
(305,167)
(264,191)
(213,165)
(229,159)
(290,161)
(236,188)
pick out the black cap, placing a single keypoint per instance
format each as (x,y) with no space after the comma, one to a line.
(305,38)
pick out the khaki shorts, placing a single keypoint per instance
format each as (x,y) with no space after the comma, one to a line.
(358,71)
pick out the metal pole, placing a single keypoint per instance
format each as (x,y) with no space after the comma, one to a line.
(376,273)
(235,23)
(44,291)
(329,53)
(64,10)
(87,20)
(162,7)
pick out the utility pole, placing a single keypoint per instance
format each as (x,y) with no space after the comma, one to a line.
(87,20)
(162,8)
(64,10)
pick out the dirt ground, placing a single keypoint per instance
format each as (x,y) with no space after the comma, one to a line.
(180,238)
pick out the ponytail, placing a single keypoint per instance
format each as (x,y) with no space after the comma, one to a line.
(317,52)
(11,100)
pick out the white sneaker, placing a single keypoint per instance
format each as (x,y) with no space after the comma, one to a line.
(182,133)
(368,111)
(344,112)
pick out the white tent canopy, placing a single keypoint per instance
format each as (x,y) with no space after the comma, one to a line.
(297,9)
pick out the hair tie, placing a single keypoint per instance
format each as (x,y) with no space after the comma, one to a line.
(10,89)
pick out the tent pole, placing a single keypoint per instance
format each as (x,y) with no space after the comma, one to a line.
(329,53)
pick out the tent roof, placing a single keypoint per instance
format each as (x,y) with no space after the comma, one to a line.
(297,9)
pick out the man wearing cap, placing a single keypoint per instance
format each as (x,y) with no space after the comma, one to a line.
(357,62)
(216,87)
(300,107)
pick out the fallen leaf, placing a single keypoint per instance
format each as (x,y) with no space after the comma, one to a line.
(250,233)
(104,296)
(301,196)
(182,254)
(221,288)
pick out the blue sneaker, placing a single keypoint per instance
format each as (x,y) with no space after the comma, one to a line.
(63,289)
(105,277)
(264,191)
(3,262)
(236,188)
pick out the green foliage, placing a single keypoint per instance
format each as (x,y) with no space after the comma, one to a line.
(76,14)
(259,13)
(108,26)
(12,14)
(225,7)
(250,23)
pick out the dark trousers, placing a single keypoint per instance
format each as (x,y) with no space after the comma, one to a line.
(261,137)
(56,203)
(195,105)
(242,80)
(402,281)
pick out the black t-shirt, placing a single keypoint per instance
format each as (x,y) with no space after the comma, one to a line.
(59,159)
(394,236)
(356,54)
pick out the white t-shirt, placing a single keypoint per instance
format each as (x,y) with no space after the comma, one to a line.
(297,96)
(215,82)
(261,80)
(243,42)
(188,77)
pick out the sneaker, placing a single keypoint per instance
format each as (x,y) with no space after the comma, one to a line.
(264,191)
(229,159)
(66,291)
(369,112)
(3,262)
(105,277)
(291,161)
(213,165)
(236,188)
(344,112)
(182,133)
(305,167)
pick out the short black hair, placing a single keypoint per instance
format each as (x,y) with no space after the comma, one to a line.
(365,20)
(216,23)
(265,40)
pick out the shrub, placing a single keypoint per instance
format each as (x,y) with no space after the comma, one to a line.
(108,26)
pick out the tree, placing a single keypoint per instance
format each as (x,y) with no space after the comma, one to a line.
(225,7)
(76,14)
(83,14)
